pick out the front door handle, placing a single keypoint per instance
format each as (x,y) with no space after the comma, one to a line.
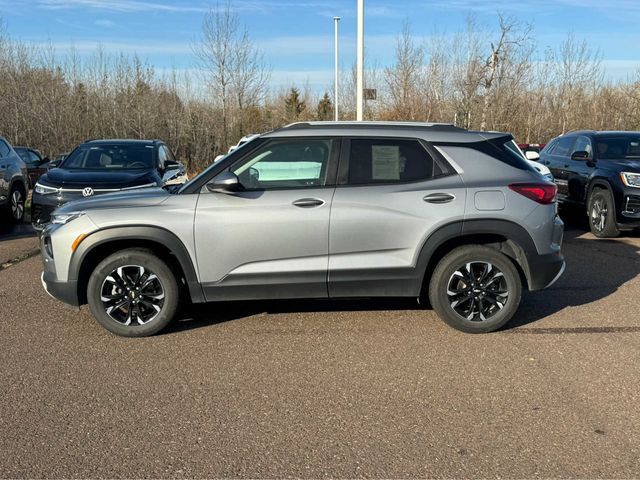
(439,198)
(308,202)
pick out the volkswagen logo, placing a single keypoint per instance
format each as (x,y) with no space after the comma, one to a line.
(87,191)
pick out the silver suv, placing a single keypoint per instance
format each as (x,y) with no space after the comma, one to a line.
(319,210)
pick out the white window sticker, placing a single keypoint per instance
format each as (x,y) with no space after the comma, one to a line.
(385,162)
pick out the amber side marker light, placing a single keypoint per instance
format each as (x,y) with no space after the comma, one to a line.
(77,241)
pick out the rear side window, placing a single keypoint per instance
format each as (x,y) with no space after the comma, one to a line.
(4,149)
(503,149)
(563,147)
(374,161)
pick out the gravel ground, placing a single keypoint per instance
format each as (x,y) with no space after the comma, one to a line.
(330,389)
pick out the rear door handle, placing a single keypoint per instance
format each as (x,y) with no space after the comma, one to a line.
(439,198)
(308,202)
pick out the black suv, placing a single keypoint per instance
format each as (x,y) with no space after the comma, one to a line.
(102,166)
(13,183)
(600,171)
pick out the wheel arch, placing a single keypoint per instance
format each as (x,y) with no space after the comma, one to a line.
(505,236)
(163,243)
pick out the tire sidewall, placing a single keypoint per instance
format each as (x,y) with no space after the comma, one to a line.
(454,261)
(9,207)
(152,263)
(610,229)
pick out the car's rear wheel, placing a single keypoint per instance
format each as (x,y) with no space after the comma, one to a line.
(133,293)
(602,214)
(475,289)
(15,206)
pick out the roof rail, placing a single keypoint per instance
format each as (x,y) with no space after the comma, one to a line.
(368,124)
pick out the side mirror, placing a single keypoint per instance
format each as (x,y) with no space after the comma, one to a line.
(54,164)
(531,155)
(581,155)
(225,182)
(45,160)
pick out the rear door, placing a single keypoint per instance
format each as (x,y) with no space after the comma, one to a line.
(391,194)
(558,160)
(271,239)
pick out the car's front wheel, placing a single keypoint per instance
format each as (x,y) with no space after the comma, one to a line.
(133,293)
(602,215)
(475,289)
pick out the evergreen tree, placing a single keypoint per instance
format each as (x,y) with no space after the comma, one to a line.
(325,108)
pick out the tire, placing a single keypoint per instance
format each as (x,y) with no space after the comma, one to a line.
(602,214)
(142,290)
(15,204)
(477,308)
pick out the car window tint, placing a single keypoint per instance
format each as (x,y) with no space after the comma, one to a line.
(169,153)
(583,144)
(389,161)
(162,155)
(564,146)
(23,154)
(290,163)
(4,149)
(110,157)
(34,157)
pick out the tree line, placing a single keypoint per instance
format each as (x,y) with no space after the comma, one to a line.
(478,78)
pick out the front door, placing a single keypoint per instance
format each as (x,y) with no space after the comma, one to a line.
(269,240)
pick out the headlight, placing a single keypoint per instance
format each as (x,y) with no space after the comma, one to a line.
(630,179)
(63,218)
(45,189)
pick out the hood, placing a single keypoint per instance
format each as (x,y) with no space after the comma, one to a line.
(143,197)
(61,177)
(624,164)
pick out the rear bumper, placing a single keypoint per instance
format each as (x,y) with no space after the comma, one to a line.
(545,270)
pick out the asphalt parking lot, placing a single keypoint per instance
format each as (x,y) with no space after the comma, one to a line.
(322,389)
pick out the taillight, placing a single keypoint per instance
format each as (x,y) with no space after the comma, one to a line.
(543,193)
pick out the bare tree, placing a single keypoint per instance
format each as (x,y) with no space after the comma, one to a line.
(235,70)
(405,79)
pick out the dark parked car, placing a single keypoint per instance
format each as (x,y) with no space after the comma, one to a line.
(13,183)
(102,166)
(599,171)
(36,164)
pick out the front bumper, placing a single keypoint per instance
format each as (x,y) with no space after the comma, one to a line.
(65,291)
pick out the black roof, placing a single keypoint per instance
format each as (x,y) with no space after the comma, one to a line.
(602,132)
(122,141)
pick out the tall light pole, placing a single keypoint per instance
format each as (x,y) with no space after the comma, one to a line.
(360,62)
(335,96)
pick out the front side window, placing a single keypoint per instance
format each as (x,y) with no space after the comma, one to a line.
(564,146)
(374,161)
(287,163)
(110,157)
(583,144)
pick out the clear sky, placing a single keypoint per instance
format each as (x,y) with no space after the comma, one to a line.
(297,36)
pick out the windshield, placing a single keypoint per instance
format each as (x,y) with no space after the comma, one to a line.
(110,157)
(618,147)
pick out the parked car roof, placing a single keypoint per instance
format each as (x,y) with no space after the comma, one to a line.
(439,132)
(122,141)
